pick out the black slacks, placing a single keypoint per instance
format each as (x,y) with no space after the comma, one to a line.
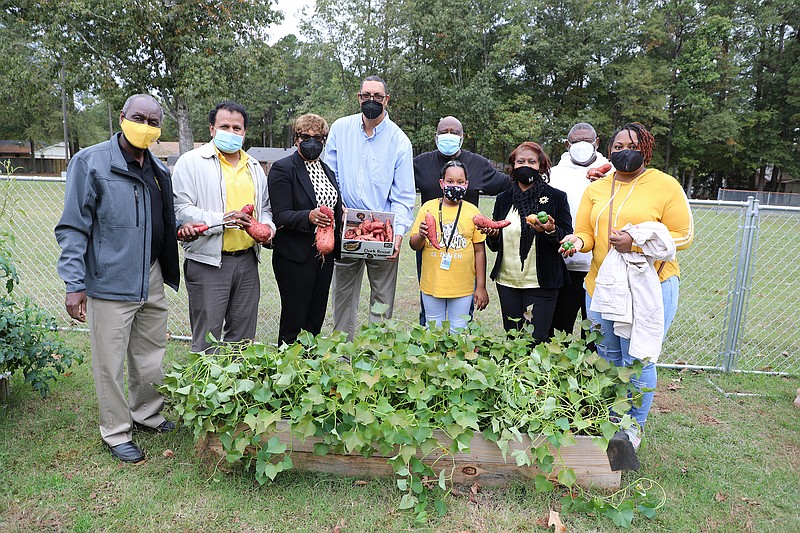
(571,299)
(304,288)
(514,302)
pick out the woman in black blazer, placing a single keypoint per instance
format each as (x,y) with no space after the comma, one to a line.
(298,185)
(529,270)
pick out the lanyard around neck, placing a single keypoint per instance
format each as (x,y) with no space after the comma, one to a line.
(455,224)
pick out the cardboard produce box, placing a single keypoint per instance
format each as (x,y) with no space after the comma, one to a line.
(361,227)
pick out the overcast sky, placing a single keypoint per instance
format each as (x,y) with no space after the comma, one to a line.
(291,9)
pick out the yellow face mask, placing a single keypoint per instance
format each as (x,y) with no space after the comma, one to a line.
(140,135)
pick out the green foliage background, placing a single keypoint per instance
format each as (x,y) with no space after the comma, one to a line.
(717,82)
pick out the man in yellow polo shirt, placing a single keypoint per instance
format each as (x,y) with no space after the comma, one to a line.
(212,183)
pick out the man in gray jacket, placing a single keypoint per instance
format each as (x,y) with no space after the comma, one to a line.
(212,184)
(118,248)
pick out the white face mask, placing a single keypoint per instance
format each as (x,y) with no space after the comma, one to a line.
(581,152)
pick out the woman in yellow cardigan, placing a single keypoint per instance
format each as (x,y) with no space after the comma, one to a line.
(640,194)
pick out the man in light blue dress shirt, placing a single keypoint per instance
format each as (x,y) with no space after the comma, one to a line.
(373,162)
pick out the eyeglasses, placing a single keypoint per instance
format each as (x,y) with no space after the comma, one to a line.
(368,96)
(306,136)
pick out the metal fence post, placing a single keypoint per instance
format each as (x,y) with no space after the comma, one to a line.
(739,292)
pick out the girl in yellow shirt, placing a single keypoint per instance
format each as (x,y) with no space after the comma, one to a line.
(455,275)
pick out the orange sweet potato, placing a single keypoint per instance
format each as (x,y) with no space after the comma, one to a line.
(482,221)
(325,239)
(430,222)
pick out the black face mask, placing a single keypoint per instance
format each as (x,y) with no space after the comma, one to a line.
(372,109)
(525,175)
(454,193)
(627,160)
(310,149)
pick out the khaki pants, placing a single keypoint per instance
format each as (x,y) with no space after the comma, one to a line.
(347,276)
(137,333)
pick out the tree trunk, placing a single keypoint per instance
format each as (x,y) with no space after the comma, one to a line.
(185,136)
(689,185)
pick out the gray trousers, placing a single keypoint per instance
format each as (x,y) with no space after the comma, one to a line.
(347,276)
(224,300)
(137,333)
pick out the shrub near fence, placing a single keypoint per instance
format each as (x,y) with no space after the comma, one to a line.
(767,339)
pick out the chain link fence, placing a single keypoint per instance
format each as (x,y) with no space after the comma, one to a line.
(739,296)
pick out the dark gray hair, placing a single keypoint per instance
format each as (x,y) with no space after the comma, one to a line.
(581,126)
(378,79)
(131,99)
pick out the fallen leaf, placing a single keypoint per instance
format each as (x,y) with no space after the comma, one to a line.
(360,483)
(542,522)
(338,527)
(708,419)
(673,386)
(684,470)
(720,496)
(168,453)
(555,520)
(93,496)
(473,491)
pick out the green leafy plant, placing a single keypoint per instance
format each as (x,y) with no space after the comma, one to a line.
(409,394)
(29,338)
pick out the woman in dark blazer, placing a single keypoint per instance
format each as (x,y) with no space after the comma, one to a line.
(529,269)
(298,185)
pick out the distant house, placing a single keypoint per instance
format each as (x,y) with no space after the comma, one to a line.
(9,149)
(54,151)
(169,151)
(266,156)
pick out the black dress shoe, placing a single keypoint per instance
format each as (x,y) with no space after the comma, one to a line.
(128,452)
(164,427)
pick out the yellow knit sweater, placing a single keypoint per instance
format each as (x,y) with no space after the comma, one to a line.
(652,196)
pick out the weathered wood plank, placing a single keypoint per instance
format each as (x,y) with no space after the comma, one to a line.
(483,464)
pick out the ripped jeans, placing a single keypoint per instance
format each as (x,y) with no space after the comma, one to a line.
(614,349)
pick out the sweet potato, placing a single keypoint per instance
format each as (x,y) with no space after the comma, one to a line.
(598,172)
(389,231)
(430,222)
(261,233)
(484,222)
(325,239)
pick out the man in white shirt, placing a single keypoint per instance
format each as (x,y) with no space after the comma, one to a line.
(569,175)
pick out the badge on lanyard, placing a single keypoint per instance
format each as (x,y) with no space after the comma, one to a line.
(444,264)
(447,257)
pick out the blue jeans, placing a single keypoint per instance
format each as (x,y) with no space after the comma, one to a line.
(614,349)
(437,310)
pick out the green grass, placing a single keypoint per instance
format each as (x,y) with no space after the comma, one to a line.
(726,464)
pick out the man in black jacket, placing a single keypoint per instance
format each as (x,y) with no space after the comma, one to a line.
(483,177)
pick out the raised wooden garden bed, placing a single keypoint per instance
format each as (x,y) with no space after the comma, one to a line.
(484,463)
